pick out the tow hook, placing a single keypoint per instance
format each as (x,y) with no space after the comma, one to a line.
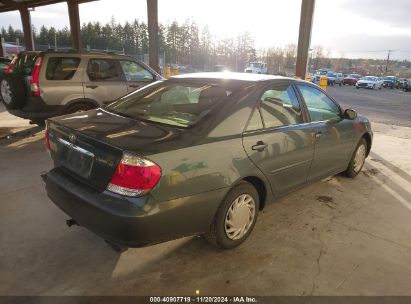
(71,222)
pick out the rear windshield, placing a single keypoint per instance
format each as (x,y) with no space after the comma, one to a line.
(177,104)
(61,68)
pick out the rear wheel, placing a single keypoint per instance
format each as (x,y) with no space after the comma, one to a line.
(358,159)
(235,218)
(13,91)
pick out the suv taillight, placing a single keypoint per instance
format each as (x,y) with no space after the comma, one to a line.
(34,85)
(9,68)
(134,176)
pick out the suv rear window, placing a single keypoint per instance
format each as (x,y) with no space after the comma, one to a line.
(61,68)
(23,63)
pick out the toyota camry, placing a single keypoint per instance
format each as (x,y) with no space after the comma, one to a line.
(198,154)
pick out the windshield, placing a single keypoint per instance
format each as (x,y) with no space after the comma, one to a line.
(390,78)
(178,104)
(331,75)
(255,64)
(370,78)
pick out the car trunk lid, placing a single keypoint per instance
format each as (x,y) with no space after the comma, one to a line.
(90,145)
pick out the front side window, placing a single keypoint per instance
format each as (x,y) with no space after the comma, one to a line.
(134,72)
(320,106)
(177,104)
(103,70)
(279,106)
(61,68)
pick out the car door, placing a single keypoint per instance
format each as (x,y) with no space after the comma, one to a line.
(103,80)
(136,75)
(333,134)
(278,140)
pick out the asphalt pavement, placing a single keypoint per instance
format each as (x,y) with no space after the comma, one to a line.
(388,106)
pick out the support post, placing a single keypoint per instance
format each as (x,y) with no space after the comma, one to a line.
(1,47)
(152,17)
(304,38)
(74,17)
(27,30)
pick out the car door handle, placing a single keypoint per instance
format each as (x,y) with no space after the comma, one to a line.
(260,146)
(91,86)
(134,85)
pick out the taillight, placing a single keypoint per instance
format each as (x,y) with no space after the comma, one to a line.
(34,85)
(47,139)
(9,68)
(134,176)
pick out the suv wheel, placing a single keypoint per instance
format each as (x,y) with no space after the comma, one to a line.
(13,92)
(236,217)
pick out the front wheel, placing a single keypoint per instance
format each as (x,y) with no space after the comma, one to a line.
(357,160)
(235,218)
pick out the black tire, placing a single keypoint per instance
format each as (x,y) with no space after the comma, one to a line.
(16,91)
(350,172)
(79,107)
(216,234)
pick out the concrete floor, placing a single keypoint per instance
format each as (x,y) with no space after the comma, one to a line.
(335,237)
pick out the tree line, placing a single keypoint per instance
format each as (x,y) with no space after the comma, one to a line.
(189,45)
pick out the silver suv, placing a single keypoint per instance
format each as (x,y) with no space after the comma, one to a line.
(39,85)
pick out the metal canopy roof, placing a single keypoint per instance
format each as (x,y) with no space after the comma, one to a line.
(12,5)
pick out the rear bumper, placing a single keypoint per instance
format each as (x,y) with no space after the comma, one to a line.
(132,222)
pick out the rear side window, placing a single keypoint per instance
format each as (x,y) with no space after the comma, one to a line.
(61,68)
(103,70)
(279,106)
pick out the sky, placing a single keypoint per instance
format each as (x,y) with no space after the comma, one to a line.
(346,28)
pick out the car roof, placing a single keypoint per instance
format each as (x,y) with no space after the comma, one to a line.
(230,76)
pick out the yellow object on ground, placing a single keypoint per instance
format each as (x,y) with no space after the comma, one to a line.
(323,82)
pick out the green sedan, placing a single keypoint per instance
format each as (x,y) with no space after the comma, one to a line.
(198,154)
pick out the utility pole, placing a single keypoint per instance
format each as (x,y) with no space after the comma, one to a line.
(304,38)
(386,64)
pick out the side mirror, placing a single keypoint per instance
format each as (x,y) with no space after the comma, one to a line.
(350,114)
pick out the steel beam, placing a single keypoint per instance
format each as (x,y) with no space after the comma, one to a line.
(27,29)
(1,47)
(74,17)
(304,39)
(152,17)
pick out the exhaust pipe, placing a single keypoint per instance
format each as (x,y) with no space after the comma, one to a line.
(71,222)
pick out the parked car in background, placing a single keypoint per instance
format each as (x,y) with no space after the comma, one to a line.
(400,83)
(351,79)
(321,72)
(154,166)
(334,78)
(39,85)
(256,68)
(390,82)
(369,82)
(407,85)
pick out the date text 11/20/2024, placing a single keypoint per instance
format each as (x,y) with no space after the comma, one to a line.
(203,299)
